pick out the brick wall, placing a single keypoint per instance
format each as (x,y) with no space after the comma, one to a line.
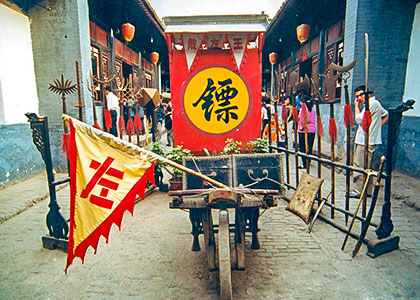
(19,158)
(59,38)
(388,24)
(407,151)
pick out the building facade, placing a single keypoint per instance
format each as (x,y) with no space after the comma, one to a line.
(42,40)
(337,35)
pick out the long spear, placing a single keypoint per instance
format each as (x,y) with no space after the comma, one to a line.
(121,90)
(348,121)
(107,113)
(368,173)
(367,117)
(371,209)
(91,88)
(130,125)
(79,104)
(64,88)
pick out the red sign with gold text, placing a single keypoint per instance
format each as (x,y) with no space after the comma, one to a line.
(215,100)
(215,89)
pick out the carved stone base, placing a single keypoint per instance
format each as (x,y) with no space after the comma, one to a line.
(53,243)
(379,247)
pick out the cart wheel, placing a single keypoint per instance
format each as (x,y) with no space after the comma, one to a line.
(225,279)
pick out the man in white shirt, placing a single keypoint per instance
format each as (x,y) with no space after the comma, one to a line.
(379,118)
(113,106)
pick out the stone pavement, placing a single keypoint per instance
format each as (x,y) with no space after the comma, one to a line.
(151,258)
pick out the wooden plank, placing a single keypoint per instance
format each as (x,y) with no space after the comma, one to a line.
(209,239)
(262,192)
(240,239)
(225,279)
(189,203)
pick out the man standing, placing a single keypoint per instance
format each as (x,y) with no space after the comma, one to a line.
(379,118)
(289,120)
(113,104)
(168,126)
(141,114)
(265,107)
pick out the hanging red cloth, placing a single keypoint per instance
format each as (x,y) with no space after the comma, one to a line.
(121,125)
(108,120)
(295,116)
(348,116)
(138,127)
(65,146)
(284,113)
(130,127)
(333,131)
(320,126)
(367,120)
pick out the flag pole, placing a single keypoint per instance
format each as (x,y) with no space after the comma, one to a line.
(134,148)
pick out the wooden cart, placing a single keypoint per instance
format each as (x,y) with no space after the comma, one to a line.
(243,203)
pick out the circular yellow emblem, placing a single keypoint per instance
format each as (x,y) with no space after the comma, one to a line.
(216,100)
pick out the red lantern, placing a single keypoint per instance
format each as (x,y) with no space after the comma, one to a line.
(154,57)
(302,32)
(272,57)
(128,31)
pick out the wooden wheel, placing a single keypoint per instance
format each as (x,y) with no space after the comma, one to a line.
(225,279)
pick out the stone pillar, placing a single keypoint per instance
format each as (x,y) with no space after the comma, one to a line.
(60,36)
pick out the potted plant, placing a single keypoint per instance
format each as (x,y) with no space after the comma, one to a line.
(176,154)
(232,147)
(258,146)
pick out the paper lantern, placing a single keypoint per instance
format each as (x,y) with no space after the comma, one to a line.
(272,57)
(154,57)
(302,32)
(128,31)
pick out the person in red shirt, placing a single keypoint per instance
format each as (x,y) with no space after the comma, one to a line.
(273,131)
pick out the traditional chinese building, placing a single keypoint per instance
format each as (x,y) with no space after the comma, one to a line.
(215,72)
(335,34)
(40,40)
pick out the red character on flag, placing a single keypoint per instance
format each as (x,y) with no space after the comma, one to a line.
(107,184)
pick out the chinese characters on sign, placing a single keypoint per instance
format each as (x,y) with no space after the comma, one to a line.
(216,100)
(223,96)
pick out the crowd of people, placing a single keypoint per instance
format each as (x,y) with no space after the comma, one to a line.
(307,128)
(163,113)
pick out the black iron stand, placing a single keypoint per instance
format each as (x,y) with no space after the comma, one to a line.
(56,224)
(385,241)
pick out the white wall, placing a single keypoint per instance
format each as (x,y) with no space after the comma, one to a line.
(412,77)
(18,93)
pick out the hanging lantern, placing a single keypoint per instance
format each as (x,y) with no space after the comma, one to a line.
(272,57)
(154,57)
(302,32)
(128,31)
